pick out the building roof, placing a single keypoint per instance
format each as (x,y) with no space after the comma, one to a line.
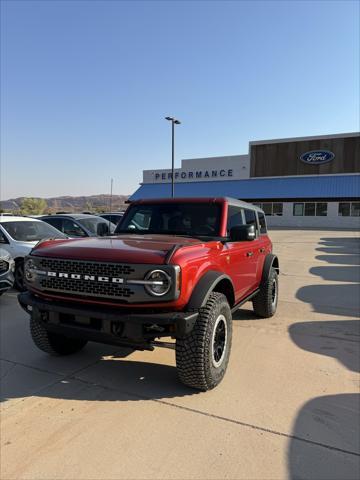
(301,139)
(320,186)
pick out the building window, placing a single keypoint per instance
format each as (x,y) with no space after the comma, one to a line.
(271,209)
(344,209)
(310,209)
(298,209)
(349,209)
(355,209)
(321,209)
(267,207)
(277,209)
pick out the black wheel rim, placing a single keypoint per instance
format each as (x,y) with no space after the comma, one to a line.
(219,341)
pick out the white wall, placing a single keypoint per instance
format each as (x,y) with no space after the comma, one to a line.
(331,220)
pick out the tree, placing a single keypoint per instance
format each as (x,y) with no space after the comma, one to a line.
(33,206)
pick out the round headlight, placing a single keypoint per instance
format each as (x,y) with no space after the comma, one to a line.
(158,283)
(30,268)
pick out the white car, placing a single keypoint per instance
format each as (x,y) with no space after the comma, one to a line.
(18,235)
(7,268)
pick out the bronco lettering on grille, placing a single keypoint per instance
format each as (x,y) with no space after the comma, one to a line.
(91,278)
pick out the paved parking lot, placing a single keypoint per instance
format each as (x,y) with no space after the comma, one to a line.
(287,408)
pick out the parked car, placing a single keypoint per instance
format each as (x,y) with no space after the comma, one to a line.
(80,225)
(18,235)
(113,217)
(177,268)
(7,268)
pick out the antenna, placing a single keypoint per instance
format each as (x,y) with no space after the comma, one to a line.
(111,192)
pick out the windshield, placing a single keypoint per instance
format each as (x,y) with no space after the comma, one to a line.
(28,231)
(194,219)
(96,225)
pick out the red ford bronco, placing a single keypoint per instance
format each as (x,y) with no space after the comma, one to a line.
(174,268)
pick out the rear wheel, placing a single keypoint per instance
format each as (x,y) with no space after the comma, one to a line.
(203,355)
(265,302)
(54,343)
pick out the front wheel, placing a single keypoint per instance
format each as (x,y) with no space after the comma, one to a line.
(265,302)
(203,355)
(54,343)
(19,275)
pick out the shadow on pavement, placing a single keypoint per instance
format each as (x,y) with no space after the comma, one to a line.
(245,314)
(112,376)
(341,265)
(329,420)
(332,420)
(338,339)
(336,274)
(342,259)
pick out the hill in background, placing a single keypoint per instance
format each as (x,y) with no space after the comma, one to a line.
(92,203)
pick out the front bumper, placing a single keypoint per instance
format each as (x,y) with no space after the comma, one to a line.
(107,325)
(6,281)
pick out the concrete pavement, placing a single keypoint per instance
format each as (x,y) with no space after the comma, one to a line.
(287,408)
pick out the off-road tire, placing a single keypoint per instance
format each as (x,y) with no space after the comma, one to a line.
(195,352)
(264,303)
(54,343)
(19,275)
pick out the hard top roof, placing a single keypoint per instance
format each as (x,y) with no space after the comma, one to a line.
(229,200)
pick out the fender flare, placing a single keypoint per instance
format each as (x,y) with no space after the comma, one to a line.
(271,260)
(205,287)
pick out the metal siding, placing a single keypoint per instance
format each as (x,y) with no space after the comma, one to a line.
(296,187)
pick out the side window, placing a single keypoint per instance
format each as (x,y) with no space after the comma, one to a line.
(250,218)
(234,218)
(3,238)
(55,222)
(141,220)
(262,223)
(72,229)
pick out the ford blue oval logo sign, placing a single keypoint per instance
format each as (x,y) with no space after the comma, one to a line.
(317,157)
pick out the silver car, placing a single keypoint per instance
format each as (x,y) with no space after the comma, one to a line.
(7,268)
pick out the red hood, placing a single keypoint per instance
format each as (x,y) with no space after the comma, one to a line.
(123,248)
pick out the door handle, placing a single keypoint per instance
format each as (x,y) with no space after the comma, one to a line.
(249,254)
(261,250)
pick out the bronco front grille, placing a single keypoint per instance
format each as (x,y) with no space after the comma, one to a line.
(4,266)
(119,282)
(86,268)
(81,286)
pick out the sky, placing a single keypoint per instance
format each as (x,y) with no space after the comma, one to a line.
(85,85)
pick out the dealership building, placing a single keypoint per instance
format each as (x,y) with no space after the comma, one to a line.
(304,182)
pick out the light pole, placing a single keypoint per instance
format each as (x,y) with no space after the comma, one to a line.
(173,123)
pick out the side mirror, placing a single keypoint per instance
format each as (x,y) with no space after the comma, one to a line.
(241,233)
